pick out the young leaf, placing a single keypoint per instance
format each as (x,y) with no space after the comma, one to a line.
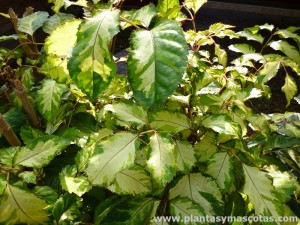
(161,162)
(66,208)
(91,64)
(168,8)
(110,157)
(143,16)
(268,72)
(221,54)
(152,75)
(207,195)
(289,88)
(185,156)
(129,112)
(261,193)
(184,208)
(220,167)
(195,5)
(41,151)
(29,24)
(49,98)
(19,206)
(222,124)
(78,185)
(134,211)
(132,181)
(168,121)
(290,50)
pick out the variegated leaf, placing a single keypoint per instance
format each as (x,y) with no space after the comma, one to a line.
(152,75)
(110,157)
(91,64)
(185,156)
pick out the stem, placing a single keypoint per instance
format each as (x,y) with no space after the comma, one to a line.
(30,48)
(130,22)
(192,19)
(20,91)
(8,133)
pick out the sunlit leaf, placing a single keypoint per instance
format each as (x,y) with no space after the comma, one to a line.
(289,88)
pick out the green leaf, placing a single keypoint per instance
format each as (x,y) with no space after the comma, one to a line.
(242,48)
(28,177)
(169,121)
(220,167)
(3,183)
(78,185)
(185,209)
(268,72)
(132,181)
(221,54)
(15,117)
(207,195)
(110,157)
(195,5)
(185,156)
(7,155)
(290,50)
(261,193)
(9,37)
(49,98)
(289,88)
(206,147)
(91,64)
(19,206)
(41,151)
(62,39)
(250,35)
(28,134)
(66,208)
(56,20)
(222,124)
(152,75)
(161,162)
(168,8)
(46,193)
(141,16)
(129,112)
(281,142)
(133,211)
(29,24)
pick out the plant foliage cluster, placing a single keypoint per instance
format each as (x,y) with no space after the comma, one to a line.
(175,136)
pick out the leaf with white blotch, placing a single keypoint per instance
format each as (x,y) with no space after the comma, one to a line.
(260,190)
(289,88)
(66,208)
(161,162)
(269,70)
(141,16)
(56,20)
(221,54)
(250,35)
(134,211)
(222,124)
(78,185)
(18,206)
(132,181)
(220,167)
(184,208)
(195,5)
(153,77)
(110,157)
(169,121)
(185,156)
(288,34)
(49,98)
(129,112)
(248,93)
(41,151)
(242,48)
(289,50)
(202,190)
(29,24)
(91,65)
